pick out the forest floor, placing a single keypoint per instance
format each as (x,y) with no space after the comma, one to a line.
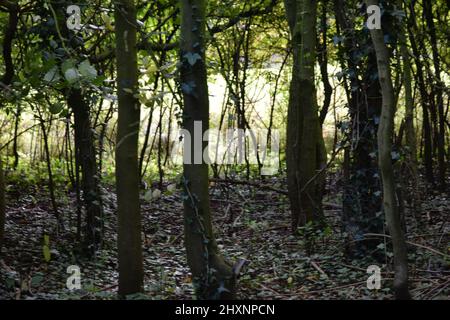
(251,223)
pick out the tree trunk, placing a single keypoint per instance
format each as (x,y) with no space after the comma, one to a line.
(2,206)
(385,132)
(410,131)
(5,81)
(361,204)
(305,147)
(323,63)
(51,184)
(86,159)
(426,127)
(127,167)
(85,153)
(213,278)
(438,92)
(15,141)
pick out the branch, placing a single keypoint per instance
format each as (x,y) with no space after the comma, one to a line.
(247,14)
(10,32)
(8,5)
(144,45)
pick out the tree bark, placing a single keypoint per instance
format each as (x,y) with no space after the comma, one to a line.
(127,167)
(438,93)
(323,62)
(385,132)
(410,130)
(15,141)
(86,159)
(213,277)
(426,127)
(2,206)
(305,153)
(360,203)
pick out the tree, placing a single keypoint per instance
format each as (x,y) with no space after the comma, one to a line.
(127,168)
(385,132)
(212,276)
(5,80)
(2,205)
(305,150)
(362,203)
(437,91)
(86,159)
(410,131)
(77,101)
(425,97)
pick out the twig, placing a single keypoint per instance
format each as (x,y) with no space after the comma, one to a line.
(249,183)
(316,266)
(408,242)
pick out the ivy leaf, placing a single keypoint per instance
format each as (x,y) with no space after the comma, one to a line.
(68,64)
(192,58)
(148,196)
(52,75)
(337,40)
(188,88)
(37,279)
(56,108)
(87,70)
(71,75)
(395,155)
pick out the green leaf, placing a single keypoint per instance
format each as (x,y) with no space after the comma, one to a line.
(68,64)
(148,196)
(87,70)
(71,75)
(56,108)
(52,75)
(10,283)
(192,58)
(37,279)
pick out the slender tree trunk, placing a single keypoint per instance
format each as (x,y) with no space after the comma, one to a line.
(438,90)
(162,110)
(127,167)
(16,130)
(2,206)
(68,154)
(323,62)
(212,276)
(148,130)
(410,131)
(426,127)
(101,143)
(385,132)
(51,184)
